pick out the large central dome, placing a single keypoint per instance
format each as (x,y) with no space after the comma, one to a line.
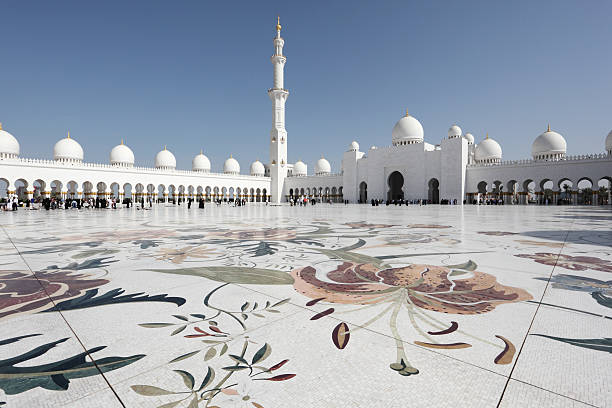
(488,151)
(9,146)
(121,155)
(322,167)
(200,163)
(300,169)
(68,150)
(407,130)
(549,146)
(165,160)
(231,166)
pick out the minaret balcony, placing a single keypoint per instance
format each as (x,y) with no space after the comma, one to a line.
(278,59)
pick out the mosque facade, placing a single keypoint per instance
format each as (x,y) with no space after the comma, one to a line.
(455,170)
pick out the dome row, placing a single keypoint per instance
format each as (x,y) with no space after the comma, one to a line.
(408,130)
(549,145)
(68,150)
(322,167)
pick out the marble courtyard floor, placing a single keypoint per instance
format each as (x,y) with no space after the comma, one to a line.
(325,306)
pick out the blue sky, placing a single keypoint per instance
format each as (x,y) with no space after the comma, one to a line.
(194,74)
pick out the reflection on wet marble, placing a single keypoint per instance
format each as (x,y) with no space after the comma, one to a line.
(324,306)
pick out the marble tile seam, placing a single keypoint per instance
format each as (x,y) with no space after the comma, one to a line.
(518,355)
(89,394)
(65,321)
(553,392)
(582,313)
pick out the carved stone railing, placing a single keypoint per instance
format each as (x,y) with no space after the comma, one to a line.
(134,169)
(579,157)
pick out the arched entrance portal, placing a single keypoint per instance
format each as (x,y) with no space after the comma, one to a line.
(396,182)
(434,191)
(363,192)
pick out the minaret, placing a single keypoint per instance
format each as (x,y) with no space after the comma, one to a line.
(278,134)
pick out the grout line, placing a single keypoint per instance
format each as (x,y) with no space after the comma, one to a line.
(570,309)
(501,397)
(64,318)
(555,393)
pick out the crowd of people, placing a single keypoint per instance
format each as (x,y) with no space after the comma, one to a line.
(53,203)
(12,203)
(375,202)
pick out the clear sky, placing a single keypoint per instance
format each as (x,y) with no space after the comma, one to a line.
(194,74)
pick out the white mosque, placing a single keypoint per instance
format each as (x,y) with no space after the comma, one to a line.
(410,169)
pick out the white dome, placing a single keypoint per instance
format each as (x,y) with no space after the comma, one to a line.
(407,130)
(454,131)
(121,155)
(68,150)
(200,163)
(609,143)
(322,167)
(165,160)
(469,137)
(9,146)
(488,151)
(549,145)
(257,168)
(231,166)
(354,146)
(300,168)
(373,147)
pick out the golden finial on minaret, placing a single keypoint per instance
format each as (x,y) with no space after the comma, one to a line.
(231,157)
(407,114)
(0,125)
(487,135)
(201,151)
(548,128)
(164,147)
(121,141)
(68,135)
(278,26)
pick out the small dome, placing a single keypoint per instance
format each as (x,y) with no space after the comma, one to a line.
(300,168)
(9,146)
(407,130)
(373,147)
(488,151)
(454,131)
(609,143)
(322,167)
(121,155)
(165,160)
(549,145)
(257,168)
(354,146)
(200,163)
(231,166)
(68,150)
(470,138)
